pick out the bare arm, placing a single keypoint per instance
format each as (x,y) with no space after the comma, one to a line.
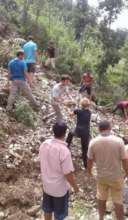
(71,180)
(89,167)
(125,166)
(28,78)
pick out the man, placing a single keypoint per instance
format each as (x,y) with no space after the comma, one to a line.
(108,152)
(57,171)
(30,51)
(58,92)
(123,106)
(86,83)
(19,81)
(51,55)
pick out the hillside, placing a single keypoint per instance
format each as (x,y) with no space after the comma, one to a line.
(20,181)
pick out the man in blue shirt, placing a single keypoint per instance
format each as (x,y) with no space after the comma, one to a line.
(30,52)
(20,81)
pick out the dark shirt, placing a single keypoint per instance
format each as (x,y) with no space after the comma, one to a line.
(83,118)
(51,52)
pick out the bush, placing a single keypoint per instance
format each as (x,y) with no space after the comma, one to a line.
(24,114)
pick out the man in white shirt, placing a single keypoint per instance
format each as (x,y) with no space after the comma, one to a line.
(59,91)
(108,152)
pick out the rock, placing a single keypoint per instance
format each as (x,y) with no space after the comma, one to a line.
(33,210)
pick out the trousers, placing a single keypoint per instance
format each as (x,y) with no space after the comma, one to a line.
(19,85)
(57,110)
(84,136)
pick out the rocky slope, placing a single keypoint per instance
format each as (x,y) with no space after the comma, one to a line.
(20,181)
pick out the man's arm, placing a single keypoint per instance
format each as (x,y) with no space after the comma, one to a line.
(125,166)
(28,78)
(71,180)
(89,167)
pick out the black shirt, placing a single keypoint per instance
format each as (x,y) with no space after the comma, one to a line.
(83,118)
(51,52)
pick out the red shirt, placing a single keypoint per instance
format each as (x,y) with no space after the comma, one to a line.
(123,104)
(87,79)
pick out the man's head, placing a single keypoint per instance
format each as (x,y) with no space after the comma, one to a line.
(20,54)
(66,80)
(30,38)
(85,103)
(104,126)
(59,130)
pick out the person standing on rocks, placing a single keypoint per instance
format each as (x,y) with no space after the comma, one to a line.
(57,173)
(108,152)
(82,129)
(86,84)
(30,52)
(58,92)
(51,55)
(20,81)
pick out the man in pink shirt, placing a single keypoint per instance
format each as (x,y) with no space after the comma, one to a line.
(57,173)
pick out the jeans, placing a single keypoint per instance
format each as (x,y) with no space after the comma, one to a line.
(84,136)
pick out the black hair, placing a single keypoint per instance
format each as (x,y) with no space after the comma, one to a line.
(59,129)
(104,125)
(20,52)
(30,37)
(66,77)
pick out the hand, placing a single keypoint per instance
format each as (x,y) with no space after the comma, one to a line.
(76,189)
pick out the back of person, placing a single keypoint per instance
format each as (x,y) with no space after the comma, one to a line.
(107,152)
(30,52)
(16,68)
(123,104)
(53,153)
(83,118)
(51,52)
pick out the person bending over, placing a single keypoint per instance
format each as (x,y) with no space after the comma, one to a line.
(123,107)
(108,152)
(20,81)
(57,173)
(82,129)
(59,91)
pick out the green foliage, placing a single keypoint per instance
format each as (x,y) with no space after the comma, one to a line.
(24,114)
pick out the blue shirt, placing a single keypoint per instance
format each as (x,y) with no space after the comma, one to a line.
(17,68)
(30,49)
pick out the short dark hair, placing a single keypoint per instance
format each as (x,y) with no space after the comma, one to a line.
(30,37)
(59,129)
(20,52)
(66,77)
(104,125)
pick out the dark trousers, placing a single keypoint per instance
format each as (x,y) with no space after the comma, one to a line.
(84,136)
(121,109)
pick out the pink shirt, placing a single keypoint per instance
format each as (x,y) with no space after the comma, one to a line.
(56,162)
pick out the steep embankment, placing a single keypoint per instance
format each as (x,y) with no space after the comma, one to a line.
(20,181)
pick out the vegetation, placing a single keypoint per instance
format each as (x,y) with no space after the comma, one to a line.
(82,34)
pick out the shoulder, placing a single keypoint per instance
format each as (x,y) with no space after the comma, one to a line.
(77,111)
(95,140)
(116,139)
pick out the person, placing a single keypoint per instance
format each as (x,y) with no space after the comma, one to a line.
(19,81)
(86,83)
(108,152)
(30,51)
(82,129)
(58,92)
(51,55)
(57,173)
(123,106)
